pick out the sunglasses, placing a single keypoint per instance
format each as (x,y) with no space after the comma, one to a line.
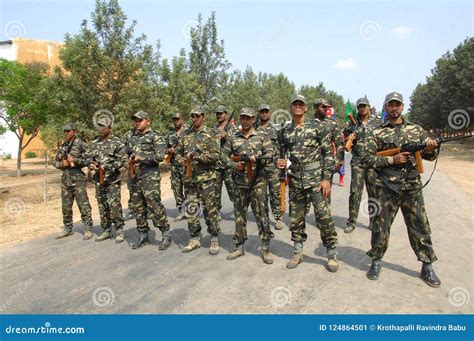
(195,115)
(219,113)
(66,131)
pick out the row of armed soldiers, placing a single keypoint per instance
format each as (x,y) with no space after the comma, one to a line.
(255,161)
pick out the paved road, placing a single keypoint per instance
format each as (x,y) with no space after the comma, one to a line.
(76,276)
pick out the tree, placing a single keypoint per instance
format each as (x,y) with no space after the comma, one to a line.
(207,59)
(105,68)
(23,101)
(448,88)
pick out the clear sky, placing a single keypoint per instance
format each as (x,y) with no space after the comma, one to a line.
(353,47)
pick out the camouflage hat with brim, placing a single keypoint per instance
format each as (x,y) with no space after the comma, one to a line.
(362,100)
(70,126)
(247,112)
(141,115)
(220,108)
(298,97)
(177,115)
(321,101)
(264,107)
(197,110)
(104,122)
(394,96)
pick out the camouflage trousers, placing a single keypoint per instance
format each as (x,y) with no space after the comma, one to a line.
(77,191)
(257,200)
(177,185)
(110,206)
(359,176)
(416,220)
(273,186)
(146,197)
(224,175)
(197,194)
(299,200)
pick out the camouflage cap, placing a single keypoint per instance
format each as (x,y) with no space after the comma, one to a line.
(197,110)
(362,100)
(394,96)
(221,108)
(70,126)
(298,97)
(105,122)
(263,107)
(177,115)
(247,112)
(319,101)
(142,115)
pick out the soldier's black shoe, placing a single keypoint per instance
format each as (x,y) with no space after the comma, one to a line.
(165,243)
(374,271)
(142,241)
(429,277)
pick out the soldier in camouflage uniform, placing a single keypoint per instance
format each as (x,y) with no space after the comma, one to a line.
(107,158)
(177,171)
(271,171)
(312,164)
(360,173)
(147,148)
(199,151)
(71,157)
(254,149)
(223,174)
(332,130)
(398,185)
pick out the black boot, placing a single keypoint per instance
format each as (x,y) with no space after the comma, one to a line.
(142,241)
(374,270)
(428,276)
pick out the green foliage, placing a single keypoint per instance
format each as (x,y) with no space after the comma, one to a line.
(30,154)
(449,87)
(337,101)
(7,156)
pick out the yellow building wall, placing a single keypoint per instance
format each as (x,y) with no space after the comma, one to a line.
(44,51)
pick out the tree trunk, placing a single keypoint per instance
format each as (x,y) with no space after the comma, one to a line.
(18,159)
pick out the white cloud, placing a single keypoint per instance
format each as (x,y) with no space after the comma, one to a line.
(345,64)
(403,32)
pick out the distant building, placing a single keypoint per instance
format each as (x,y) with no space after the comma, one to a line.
(26,51)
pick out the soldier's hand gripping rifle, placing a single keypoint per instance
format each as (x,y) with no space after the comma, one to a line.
(248,164)
(194,152)
(66,154)
(169,156)
(282,177)
(98,168)
(226,127)
(350,133)
(417,148)
(131,165)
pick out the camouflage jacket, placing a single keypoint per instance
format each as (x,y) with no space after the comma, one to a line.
(230,131)
(151,148)
(126,140)
(272,131)
(310,153)
(172,141)
(204,145)
(335,137)
(387,136)
(257,144)
(359,142)
(80,152)
(111,154)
